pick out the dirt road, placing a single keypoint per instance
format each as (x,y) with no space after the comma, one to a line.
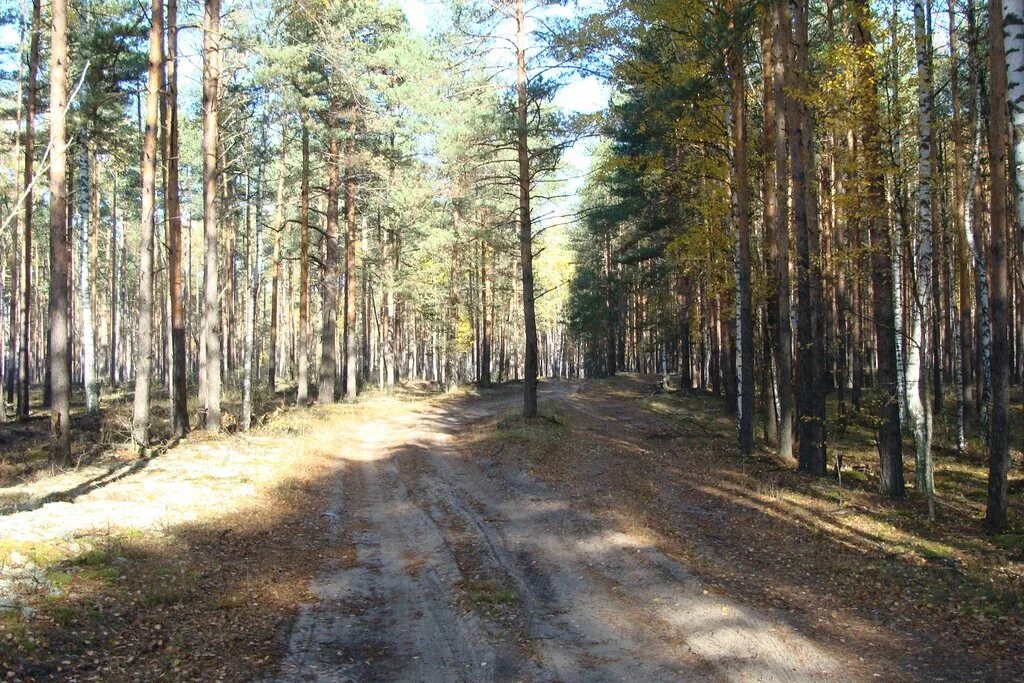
(450,568)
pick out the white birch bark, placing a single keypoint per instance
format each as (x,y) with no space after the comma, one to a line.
(916,367)
(1013,36)
(898,219)
(92,402)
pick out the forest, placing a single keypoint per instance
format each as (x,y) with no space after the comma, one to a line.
(355,319)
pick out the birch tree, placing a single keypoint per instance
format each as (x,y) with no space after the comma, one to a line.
(1013,31)
(916,370)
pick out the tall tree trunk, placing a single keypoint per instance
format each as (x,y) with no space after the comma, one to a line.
(783,360)
(770,213)
(975,236)
(58,332)
(389,267)
(329,331)
(85,276)
(999,448)
(211,303)
(245,419)
(11,363)
(741,195)
(24,377)
(179,392)
(917,372)
(350,267)
(525,225)
(94,260)
(1013,31)
(144,334)
(302,393)
(485,294)
(451,370)
(115,286)
(890,449)
(275,281)
(961,313)
(810,417)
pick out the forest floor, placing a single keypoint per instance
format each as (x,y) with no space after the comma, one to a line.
(440,538)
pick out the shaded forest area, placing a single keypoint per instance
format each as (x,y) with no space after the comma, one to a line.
(812,210)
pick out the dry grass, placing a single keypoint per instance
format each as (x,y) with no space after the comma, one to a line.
(188,568)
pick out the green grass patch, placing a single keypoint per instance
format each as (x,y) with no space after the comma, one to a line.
(934,550)
(490,593)
(1008,540)
(14,632)
(855,477)
(90,558)
(40,553)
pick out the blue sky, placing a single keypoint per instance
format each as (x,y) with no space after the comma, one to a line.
(582,94)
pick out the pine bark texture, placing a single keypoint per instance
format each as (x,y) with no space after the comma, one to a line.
(144,330)
(999,447)
(211,340)
(59,333)
(525,224)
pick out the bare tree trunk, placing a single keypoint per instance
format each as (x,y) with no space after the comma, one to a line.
(24,377)
(770,212)
(388,317)
(85,275)
(211,303)
(784,358)
(810,418)
(999,449)
(58,332)
(961,311)
(917,373)
(144,334)
(302,394)
(254,289)
(485,344)
(329,331)
(179,393)
(11,364)
(451,372)
(275,281)
(741,195)
(350,267)
(525,225)
(974,234)
(890,449)
(1013,30)
(94,260)
(115,286)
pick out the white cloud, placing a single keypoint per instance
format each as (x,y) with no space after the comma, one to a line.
(417,14)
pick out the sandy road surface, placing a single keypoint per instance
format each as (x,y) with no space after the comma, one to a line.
(419,528)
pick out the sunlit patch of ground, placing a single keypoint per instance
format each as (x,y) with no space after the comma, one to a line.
(853,566)
(184,566)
